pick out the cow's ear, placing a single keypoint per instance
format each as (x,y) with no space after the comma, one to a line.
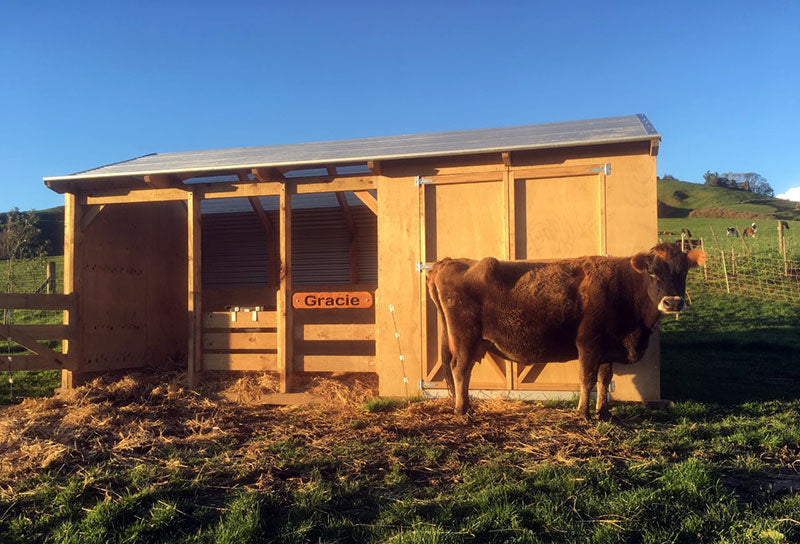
(641,262)
(696,258)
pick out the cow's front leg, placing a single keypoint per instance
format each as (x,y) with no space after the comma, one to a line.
(604,375)
(588,375)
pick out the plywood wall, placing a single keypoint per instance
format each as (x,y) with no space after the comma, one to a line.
(132,265)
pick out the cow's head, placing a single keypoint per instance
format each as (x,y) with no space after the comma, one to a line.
(667,266)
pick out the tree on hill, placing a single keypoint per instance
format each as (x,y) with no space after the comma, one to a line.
(668,177)
(751,181)
(713,179)
(743,181)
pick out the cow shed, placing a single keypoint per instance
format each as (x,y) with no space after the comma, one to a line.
(311,257)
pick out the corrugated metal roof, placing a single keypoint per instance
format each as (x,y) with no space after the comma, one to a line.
(593,131)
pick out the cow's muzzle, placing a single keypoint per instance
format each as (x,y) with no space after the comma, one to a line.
(671,305)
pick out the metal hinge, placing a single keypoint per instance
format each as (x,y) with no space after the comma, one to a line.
(419,180)
(605,169)
(422,266)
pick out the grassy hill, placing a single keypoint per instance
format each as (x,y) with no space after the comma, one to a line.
(680,199)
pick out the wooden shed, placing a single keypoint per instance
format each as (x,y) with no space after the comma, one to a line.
(310,257)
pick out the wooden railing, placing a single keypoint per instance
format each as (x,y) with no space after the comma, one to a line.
(240,340)
(247,340)
(27,336)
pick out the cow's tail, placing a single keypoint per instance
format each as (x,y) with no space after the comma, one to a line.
(445,354)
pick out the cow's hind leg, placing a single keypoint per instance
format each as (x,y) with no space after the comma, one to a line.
(462,370)
(604,375)
(588,376)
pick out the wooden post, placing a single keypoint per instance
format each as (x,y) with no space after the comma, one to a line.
(782,247)
(50,279)
(284,300)
(194,295)
(72,281)
(725,271)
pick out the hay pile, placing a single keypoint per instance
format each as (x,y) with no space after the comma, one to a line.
(135,419)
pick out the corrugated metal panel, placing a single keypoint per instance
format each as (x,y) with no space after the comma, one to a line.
(235,247)
(592,131)
(269,203)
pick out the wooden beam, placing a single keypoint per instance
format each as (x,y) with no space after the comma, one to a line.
(376,167)
(654,147)
(125,196)
(208,191)
(284,295)
(32,362)
(19,336)
(72,346)
(332,171)
(268,174)
(266,224)
(239,361)
(89,215)
(367,198)
(44,332)
(351,229)
(506,156)
(194,291)
(538,172)
(38,301)
(163,181)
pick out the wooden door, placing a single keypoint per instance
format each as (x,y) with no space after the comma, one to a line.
(559,213)
(536,213)
(462,216)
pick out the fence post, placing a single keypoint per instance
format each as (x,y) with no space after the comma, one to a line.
(725,271)
(705,261)
(51,278)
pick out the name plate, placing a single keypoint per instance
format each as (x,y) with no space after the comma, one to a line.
(332,301)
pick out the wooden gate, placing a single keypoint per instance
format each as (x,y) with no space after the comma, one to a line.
(532,213)
(27,336)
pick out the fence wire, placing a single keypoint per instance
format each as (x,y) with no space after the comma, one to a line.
(755,276)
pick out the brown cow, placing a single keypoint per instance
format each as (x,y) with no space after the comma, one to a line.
(598,310)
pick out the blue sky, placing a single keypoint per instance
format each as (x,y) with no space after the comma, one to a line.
(89,83)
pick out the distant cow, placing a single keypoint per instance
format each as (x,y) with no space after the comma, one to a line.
(733,231)
(599,310)
(750,231)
